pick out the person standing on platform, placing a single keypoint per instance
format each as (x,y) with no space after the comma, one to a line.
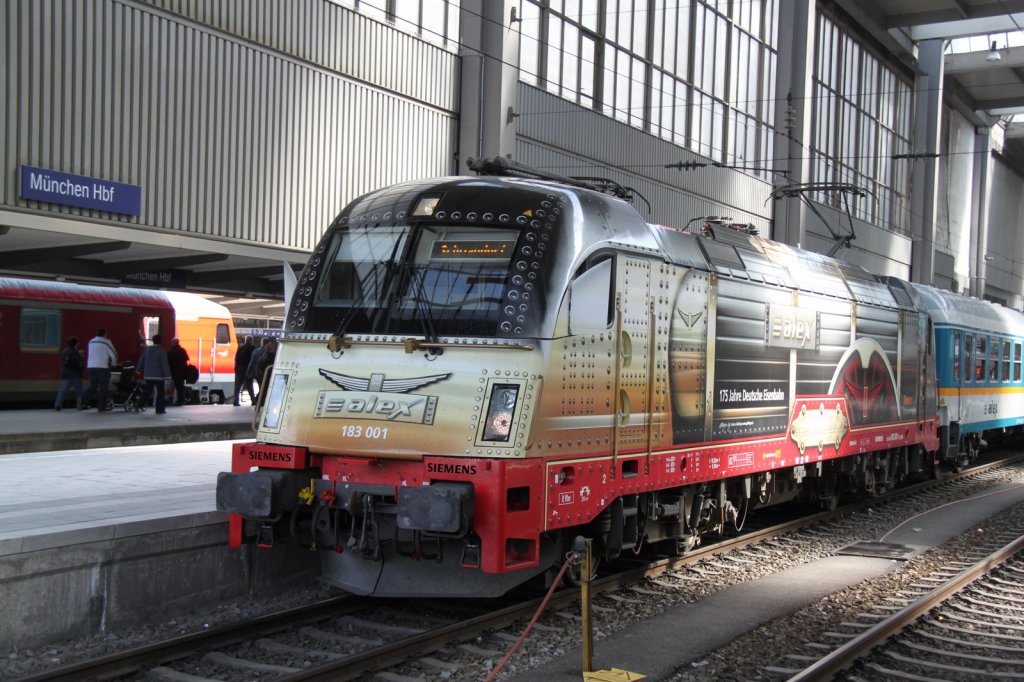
(242,379)
(177,357)
(251,370)
(71,366)
(155,370)
(266,360)
(100,359)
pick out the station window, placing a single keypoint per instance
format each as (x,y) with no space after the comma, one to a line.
(39,331)
(1006,362)
(956,356)
(1016,362)
(968,358)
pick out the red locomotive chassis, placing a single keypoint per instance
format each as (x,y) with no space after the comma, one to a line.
(517,500)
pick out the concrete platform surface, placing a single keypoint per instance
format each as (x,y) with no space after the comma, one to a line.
(57,499)
(47,430)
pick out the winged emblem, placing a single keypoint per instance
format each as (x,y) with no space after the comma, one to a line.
(689,319)
(376,383)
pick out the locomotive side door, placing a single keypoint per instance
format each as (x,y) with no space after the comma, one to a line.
(634,341)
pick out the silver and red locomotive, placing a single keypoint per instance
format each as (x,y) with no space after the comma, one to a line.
(475,370)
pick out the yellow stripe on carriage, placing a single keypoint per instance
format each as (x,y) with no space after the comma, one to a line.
(980,390)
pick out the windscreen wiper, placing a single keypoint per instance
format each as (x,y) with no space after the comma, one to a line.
(357,303)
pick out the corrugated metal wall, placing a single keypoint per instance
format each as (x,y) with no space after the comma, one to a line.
(563,137)
(336,38)
(228,139)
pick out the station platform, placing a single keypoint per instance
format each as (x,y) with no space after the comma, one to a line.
(60,499)
(24,431)
(109,519)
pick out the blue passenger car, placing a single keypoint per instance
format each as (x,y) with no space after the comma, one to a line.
(978,356)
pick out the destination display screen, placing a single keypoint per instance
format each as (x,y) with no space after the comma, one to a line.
(465,249)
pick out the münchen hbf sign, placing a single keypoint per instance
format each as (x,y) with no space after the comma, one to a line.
(56,187)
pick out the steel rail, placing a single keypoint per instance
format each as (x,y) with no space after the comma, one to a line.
(126,662)
(847,654)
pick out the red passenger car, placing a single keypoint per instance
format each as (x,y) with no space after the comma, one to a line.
(37,317)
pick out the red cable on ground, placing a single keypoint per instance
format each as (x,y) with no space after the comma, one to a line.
(529,625)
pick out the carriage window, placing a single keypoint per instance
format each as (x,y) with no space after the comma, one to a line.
(1006,361)
(956,356)
(981,358)
(223,335)
(993,366)
(968,358)
(39,331)
(1017,361)
(150,328)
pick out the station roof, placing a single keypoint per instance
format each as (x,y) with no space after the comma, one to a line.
(249,278)
(982,83)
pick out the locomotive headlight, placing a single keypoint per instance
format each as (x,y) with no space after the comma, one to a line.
(275,403)
(500,411)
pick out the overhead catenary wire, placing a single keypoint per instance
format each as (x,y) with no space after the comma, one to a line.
(709,102)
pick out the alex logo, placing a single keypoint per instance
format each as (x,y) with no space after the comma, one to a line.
(388,410)
(374,398)
(790,327)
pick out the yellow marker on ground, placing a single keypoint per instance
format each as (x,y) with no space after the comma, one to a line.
(613,675)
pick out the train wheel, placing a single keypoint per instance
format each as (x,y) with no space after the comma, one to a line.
(825,494)
(870,486)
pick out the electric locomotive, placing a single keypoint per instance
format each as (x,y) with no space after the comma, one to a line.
(475,370)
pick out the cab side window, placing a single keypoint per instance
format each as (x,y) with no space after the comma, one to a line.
(591,301)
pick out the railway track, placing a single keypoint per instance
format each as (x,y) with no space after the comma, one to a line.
(931,634)
(341,639)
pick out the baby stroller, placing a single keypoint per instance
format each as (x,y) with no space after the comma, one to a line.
(136,400)
(125,390)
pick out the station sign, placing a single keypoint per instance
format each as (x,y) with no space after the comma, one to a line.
(167,279)
(57,187)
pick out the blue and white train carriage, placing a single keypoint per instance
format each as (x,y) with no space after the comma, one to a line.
(978,357)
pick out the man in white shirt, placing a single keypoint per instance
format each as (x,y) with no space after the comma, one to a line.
(101,358)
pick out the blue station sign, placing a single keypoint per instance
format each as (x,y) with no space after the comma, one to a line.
(56,187)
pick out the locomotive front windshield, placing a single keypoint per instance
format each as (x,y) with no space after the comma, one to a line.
(431,280)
